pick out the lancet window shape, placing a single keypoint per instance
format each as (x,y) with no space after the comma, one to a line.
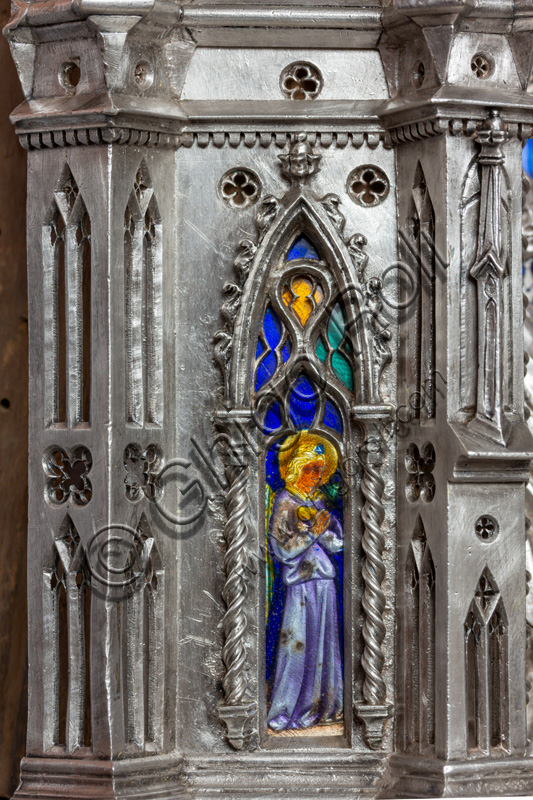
(419,705)
(66,242)
(143,274)
(303,377)
(273,348)
(486,664)
(67,604)
(421,245)
(143,643)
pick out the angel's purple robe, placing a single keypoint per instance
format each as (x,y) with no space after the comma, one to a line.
(308,683)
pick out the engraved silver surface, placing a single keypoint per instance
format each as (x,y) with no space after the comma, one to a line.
(147,286)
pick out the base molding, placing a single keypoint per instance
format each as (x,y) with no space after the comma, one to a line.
(147,777)
(418,776)
(303,775)
(295,775)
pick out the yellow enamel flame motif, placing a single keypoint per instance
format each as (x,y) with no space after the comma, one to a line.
(302,296)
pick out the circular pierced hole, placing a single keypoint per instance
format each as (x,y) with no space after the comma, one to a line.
(70,74)
(419,74)
(367,185)
(5,403)
(486,527)
(301,81)
(144,74)
(239,188)
(482,65)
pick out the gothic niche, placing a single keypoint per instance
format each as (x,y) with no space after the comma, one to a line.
(486,657)
(419,701)
(304,424)
(66,251)
(142,614)
(303,346)
(143,303)
(485,299)
(417,299)
(66,671)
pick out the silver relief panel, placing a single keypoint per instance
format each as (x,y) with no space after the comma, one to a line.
(218,250)
(173,152)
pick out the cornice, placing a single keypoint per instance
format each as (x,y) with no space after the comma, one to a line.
(443,99)
(99,135)
(454,127)
(76,137)
(478,460)
(483,16)
(454,110)
(351,16)
(110,108)
(248,133)
(220,24)
(283,25)
(149,121)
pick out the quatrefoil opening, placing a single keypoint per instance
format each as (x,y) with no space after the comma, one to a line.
(368,185)
(143,469)
(301,81)
(420,464)
(68,474)
(486,527)
(240,188)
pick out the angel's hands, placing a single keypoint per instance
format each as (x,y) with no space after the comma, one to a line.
(321,522)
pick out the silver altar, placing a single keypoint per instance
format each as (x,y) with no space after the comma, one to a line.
(172,147)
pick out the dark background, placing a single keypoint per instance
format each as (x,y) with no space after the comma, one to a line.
(13,427)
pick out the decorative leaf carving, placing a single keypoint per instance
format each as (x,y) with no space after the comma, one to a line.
(69,475)
(142,471)
(356,245)
(331,203)
(223,338)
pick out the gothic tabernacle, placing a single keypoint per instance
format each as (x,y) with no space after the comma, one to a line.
(278,448)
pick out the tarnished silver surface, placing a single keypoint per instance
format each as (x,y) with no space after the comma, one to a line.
(167,165)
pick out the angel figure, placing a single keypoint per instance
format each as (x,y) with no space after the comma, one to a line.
(307,688)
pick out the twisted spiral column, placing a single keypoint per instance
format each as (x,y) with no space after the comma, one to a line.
(234,592)
(373,514)
(236,710)
(373,711)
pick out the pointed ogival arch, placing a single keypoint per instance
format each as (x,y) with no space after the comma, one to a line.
(307,217)
(66,655)
(143,302)
(487,669)
(417,294)
(144,644)
(469,215)
(419,627)
(67,276)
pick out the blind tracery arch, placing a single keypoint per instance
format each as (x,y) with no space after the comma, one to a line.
(303,372)
(304,269)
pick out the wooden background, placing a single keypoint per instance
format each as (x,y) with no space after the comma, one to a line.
(13,428)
